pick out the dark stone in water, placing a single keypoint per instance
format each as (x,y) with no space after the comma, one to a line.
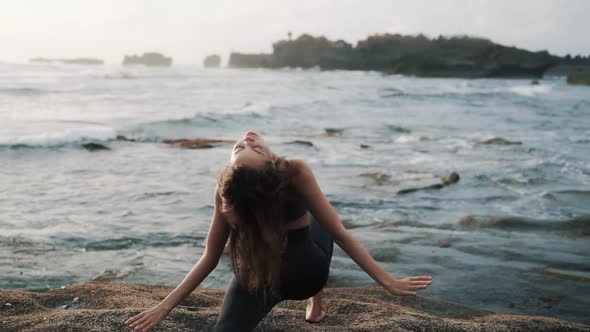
(500,141)
(300,142)
(331,132)
(94,147)
(123,138)
(445,181)
(365,146)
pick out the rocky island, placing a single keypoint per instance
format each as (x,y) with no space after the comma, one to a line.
(460,56)
(72,61)
(212,61)
(151,59)
(105,307)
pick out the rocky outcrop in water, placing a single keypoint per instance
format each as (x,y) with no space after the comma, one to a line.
(212,61)
(106,306)
(579,79)
(408,55)
(499,141)
(94,147)
(72,61)
(445,181)
(151,59)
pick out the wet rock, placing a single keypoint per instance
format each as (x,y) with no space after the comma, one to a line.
(444,244)
(94,147)
(365,146)
(332,132)
(500,141)
(196,143)
(450,179)
(300,142)
(124,138)
(579,79)
(445,181)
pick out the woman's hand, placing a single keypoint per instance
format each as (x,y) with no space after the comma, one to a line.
(408,286)
(148,318)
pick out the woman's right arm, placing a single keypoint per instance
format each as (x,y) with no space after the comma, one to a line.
(216,239)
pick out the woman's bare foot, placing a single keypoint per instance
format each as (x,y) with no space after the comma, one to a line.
(314,312)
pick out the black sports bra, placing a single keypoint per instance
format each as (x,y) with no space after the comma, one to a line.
(294,207)
(293,210)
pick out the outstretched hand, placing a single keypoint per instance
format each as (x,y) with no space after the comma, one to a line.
(408,286)
(147,319)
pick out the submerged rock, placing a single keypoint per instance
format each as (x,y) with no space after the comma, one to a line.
(500,141)
(109,305)
(300,142)
(445,181)
(332,132)
(94,147)
(124,138)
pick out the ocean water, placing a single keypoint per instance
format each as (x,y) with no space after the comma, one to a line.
(140,211)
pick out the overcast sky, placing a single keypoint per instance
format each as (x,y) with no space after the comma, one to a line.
(190,29)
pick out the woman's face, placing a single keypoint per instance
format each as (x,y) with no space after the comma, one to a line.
(251,150)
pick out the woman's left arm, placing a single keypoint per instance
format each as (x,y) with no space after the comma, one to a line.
(319,206)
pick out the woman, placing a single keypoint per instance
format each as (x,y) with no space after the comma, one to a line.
(278,251)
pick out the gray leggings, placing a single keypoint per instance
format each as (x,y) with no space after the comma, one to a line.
(304,272)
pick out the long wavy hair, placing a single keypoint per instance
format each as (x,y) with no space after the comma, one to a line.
(256,196)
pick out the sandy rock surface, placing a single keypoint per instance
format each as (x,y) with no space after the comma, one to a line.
(106,306)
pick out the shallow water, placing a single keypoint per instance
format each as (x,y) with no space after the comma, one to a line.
(140,212)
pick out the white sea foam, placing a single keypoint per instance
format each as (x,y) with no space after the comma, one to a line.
(530,90)
(405,139)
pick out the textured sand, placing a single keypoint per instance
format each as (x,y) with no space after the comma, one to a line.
(106,306)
